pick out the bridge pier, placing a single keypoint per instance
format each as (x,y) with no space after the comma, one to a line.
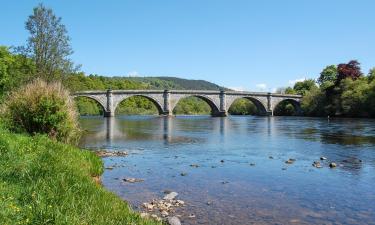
(109,111)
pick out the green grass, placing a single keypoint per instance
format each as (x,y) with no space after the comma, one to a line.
(46,182)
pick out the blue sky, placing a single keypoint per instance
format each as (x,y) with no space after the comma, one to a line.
(251,45)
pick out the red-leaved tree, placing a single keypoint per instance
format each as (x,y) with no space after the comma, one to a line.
(348,70)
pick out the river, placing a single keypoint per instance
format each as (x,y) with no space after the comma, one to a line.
(239,173)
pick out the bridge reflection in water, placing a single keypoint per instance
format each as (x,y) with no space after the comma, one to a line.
(115,131)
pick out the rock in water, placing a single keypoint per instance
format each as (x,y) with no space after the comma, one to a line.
(316,164)
(170,196)
(132,180)
(174,220)
(323,158)
(332,165)
(290,161)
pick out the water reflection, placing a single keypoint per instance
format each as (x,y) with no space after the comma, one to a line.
(160,148)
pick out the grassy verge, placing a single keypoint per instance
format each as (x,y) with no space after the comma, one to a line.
(45,182)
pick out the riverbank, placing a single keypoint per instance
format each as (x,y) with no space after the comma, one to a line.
(42,181)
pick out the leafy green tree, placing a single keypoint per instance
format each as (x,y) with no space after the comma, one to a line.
(242,107)
(371,75)
(313,103)
(15,69)
(48,44)
(303,87)
(328,75)
(353,97)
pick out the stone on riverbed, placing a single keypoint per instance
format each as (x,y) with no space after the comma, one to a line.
(103,153)
(174,220)
(170,196)
(323,158)
(316,164)
(332,165)
(132,180)
(290,161)
(194,165)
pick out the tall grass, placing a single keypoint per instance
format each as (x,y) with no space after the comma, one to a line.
(42,108)
(46,182)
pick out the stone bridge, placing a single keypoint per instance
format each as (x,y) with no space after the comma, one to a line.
(166,100)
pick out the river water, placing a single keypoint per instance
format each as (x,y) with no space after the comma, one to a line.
(242,177)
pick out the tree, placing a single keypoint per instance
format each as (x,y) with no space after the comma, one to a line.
(329,74)
(371,75)
(350,70)
(15,69)
(303,87)
(48,44)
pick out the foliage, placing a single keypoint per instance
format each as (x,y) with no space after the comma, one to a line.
(353,97)
(350,70)
(46,182)
(48,44)
(284,108)
(41,108)
(88,107)
(14,70)
(329,74)
(304,86)
(371,75)
(192,105)
(137,105)
(242,107)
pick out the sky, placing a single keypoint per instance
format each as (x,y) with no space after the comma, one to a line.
(254,45)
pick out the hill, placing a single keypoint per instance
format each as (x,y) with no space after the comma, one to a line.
(176,83)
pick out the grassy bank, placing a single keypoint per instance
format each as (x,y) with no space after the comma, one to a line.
(45,182)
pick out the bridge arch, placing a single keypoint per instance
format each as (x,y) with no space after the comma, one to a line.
(214,107)
(296,105)
(150,98)
(261,108)
(97,100)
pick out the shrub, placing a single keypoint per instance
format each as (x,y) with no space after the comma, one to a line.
(42,108)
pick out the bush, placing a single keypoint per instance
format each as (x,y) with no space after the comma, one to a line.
(41,108)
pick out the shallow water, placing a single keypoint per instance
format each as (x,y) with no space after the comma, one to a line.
(236,191)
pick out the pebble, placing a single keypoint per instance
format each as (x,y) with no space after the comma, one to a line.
(183,174)
(270,157)
(194,165)
(174,220)
(252,164)
(222,160)
(323,158)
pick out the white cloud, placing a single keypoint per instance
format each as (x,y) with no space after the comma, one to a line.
(261,87)
(238,88)
(292,82)
(133,74)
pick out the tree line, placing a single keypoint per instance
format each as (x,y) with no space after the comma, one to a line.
(340,90)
